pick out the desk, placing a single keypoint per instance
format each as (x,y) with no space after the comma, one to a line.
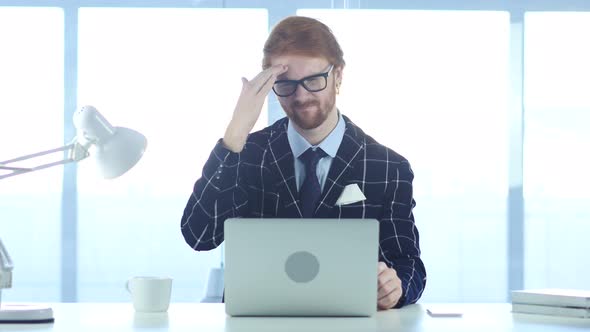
(198,317)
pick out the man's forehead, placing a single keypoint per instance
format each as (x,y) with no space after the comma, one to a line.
(295,59)
(300,66)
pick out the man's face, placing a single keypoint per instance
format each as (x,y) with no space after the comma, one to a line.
(308,110)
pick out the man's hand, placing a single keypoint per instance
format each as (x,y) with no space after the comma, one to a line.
(389,287)
(249,105)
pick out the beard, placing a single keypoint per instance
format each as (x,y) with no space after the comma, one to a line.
(309,114)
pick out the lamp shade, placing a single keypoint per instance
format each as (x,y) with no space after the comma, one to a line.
(115,150)
(119,153)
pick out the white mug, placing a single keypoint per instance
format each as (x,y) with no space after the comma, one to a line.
(150,294)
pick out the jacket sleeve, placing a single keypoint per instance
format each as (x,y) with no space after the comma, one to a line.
(399,239)
(217,196)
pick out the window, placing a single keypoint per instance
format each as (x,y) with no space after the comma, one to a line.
(31,113)
(556,182)
(174,75)
(432,85)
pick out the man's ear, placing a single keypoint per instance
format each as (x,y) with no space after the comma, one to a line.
(338,75)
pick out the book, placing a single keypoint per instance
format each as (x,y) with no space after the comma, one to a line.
(550,310)
(553,297)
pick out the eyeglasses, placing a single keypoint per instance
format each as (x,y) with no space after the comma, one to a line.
(313,83)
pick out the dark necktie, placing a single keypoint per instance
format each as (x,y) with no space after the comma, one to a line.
(310,191)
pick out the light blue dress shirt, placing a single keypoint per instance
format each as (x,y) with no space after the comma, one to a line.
(330,146)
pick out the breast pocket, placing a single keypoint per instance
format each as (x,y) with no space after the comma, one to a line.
(363,209)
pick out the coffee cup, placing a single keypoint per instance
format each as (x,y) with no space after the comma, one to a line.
(150,294)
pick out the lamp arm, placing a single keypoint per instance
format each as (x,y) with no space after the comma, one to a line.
(76,152)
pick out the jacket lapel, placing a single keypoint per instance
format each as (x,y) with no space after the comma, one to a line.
(282,164)
(351,148)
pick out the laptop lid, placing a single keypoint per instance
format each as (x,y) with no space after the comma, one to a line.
(301,267)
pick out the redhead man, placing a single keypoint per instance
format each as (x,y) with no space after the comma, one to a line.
(299,166)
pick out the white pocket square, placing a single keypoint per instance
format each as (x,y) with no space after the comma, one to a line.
(351,194)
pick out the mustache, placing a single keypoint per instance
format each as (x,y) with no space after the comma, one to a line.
(299,104)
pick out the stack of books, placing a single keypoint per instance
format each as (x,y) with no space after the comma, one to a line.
(555,302)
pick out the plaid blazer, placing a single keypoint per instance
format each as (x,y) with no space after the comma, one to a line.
(259,182)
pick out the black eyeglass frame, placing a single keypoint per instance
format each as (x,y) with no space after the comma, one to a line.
(301,82)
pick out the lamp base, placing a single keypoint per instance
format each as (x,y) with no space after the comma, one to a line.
(25,314)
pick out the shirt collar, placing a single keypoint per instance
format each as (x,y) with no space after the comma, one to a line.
(330,144)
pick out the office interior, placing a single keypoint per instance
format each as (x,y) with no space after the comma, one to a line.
(488,100)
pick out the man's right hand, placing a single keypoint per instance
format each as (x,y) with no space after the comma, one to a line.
(249,106)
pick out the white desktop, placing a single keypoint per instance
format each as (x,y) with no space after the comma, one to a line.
(210,317)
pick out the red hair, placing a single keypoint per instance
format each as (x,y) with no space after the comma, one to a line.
(299,35)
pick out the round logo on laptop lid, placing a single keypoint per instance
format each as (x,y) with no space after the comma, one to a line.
(302,266)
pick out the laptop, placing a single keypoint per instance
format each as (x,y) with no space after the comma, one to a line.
(301,267)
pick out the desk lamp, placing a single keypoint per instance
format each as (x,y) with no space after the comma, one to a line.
(115,150)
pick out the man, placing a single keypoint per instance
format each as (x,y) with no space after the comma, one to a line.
(299,166)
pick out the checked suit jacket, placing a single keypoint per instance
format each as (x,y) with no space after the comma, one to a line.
(259,182)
